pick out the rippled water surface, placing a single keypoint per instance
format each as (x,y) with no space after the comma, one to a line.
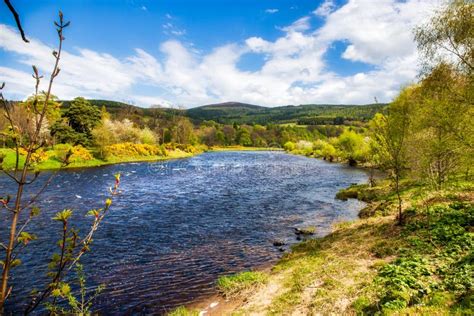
(180,224)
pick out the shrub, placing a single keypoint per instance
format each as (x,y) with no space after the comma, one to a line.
(77,153)
(38,156)
(289,146)
(352,146)
(147,136)
(134,150)
(80,153)
(328,152)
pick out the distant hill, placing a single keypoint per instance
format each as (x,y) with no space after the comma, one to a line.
(230,105)
(227,112)
(243,113)
(112,107)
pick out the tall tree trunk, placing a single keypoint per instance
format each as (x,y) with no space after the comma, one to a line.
(397,189)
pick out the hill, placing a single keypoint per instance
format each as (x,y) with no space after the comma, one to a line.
(310,114)
(243,113)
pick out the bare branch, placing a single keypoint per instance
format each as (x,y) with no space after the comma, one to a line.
(17,20)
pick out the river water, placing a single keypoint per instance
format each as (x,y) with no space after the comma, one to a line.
(178,225)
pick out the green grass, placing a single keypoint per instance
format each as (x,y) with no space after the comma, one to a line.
(243,148)
(236,284)
(183,311)
(52,163)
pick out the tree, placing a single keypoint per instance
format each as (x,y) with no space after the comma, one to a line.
(391,133)
(447,44)
(441,126)
(243,137)
(82,116)
(229,134)
(449,33)
(352,146)
(63,133)
(146,136)
(184,131)
(103,137)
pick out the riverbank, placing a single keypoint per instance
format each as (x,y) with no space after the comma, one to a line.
(373,265)
(242,148)
(51,163)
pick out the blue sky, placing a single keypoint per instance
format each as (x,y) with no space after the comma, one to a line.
(188,53)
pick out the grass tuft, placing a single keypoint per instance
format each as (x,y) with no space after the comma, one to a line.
(234,285)
(183,311)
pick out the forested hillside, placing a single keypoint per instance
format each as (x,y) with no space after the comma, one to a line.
(241,113)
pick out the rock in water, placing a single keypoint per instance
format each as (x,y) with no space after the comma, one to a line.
(310,230)
(278,243)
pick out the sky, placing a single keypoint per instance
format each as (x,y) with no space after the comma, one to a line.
(188,53)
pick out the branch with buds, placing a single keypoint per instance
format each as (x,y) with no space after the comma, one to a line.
(72,248)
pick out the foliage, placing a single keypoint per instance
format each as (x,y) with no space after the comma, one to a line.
(80,305)
(134,150)
(72,153)
(449,34)
(63,133)
(420,274)
(243,137)
(441,137)
(353,147)
(82,116)
(228,113)
(289,146)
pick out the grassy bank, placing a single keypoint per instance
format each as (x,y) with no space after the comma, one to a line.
(51,161)
(243,148)
(374,266)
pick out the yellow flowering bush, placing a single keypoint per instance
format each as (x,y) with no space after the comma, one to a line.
(134,150)
(78,153)
(38,156)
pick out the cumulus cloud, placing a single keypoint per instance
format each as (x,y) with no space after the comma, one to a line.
(294,69)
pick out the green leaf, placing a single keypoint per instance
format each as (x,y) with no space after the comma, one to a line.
(56,293)
(65,289)
(35,211)
(63,216)
(25,237)
(95,213)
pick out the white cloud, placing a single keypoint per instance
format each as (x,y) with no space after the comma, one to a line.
(171,29)
(299,25)
(271,11)
(294,70)
(325,8)
(144,8)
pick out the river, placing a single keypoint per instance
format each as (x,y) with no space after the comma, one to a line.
(180,224)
